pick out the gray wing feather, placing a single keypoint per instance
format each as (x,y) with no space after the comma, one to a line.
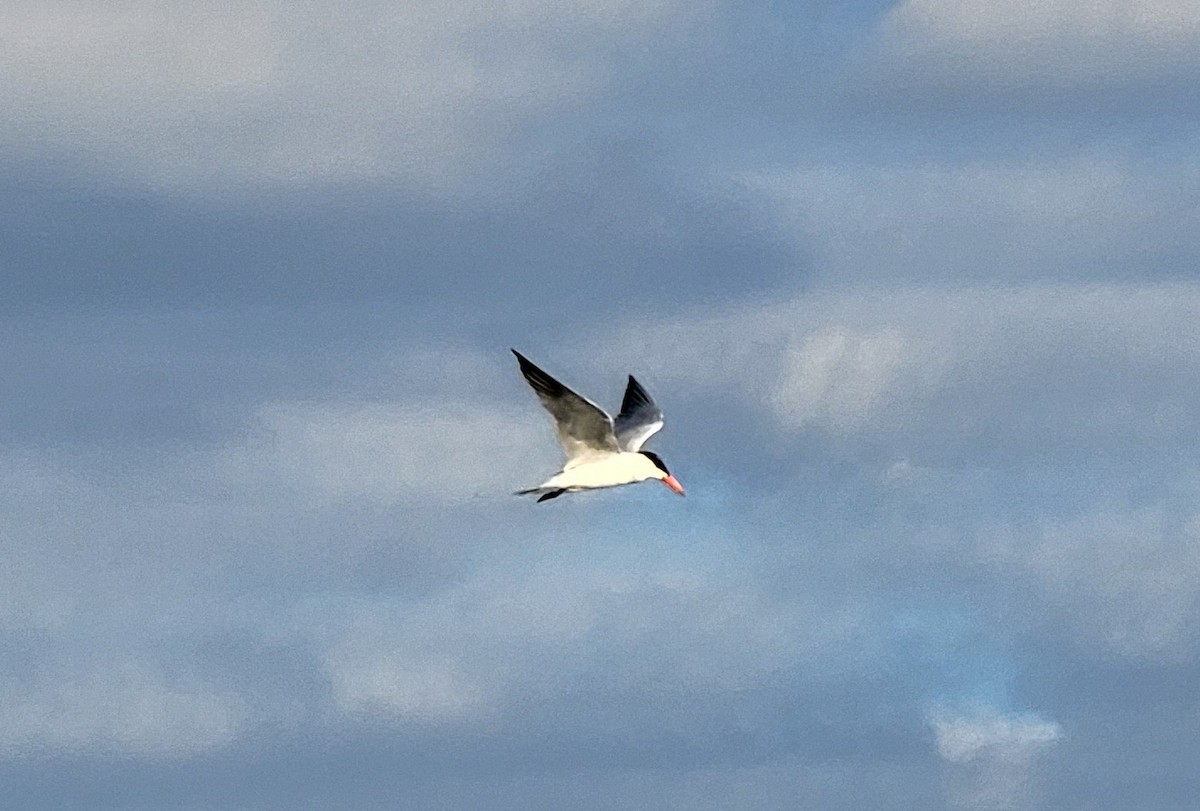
(639,419)
(582,426)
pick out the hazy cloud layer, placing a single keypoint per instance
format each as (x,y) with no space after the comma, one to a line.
(914,282)
(941,375)
(283,93)
(1076,216)
(1047,43)
(119,707)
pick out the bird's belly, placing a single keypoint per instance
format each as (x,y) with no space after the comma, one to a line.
(610,472)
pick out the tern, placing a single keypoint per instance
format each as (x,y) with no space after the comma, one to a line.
(601,452)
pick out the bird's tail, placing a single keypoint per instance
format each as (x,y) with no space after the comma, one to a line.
(546,495)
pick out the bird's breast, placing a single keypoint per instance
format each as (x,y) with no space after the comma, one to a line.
(607,471)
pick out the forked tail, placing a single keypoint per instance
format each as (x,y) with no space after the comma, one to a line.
(545,496)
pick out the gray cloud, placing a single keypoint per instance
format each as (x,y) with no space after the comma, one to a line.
(604,226)
(1044,44)
(918,306)
(1071,216)
(333,591)
(446,101)
(293,93)
(120,707)
(935,375)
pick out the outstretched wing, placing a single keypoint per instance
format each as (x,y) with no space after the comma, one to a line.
(639,419)
(583,428)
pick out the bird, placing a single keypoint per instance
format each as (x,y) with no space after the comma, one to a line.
(601,452)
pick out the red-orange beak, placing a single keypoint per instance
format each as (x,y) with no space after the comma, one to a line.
(673,483)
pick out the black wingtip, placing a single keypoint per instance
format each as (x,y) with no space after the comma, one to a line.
(542,383)
(635,397)
(525,363)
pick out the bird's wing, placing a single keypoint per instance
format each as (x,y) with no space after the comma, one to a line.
(582,426)
(639,419)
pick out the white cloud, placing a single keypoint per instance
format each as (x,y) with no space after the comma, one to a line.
(991,759)
(268,91)
(470,652)
(837,378)
(390,453)
(121,707)
(1024,20)
(1127,583)
(949,375)
(961,739)
(1089,377)
(1052,43)
(410,691)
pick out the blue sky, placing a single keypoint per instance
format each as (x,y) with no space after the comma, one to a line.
(915,282)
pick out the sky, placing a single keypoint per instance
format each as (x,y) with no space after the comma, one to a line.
(916,284)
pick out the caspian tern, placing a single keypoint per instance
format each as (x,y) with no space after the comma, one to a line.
(601,451)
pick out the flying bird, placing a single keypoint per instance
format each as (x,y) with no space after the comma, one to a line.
(601,452)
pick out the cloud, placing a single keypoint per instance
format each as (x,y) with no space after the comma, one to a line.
(285,93)
(389,453)
(521,649)
(423,692)
(43,583)
(120,706)
(949,454)
(1125,582)
(947,376)
(1087,214)
(961,739)
(324,591)
(992,759)
(1045,43)
(836,378)
(981,413)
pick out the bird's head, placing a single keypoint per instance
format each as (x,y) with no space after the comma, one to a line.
(661,473)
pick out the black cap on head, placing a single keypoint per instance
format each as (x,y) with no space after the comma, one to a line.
(658,463)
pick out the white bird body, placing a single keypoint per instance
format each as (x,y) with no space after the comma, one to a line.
(601,452)
(611,470)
